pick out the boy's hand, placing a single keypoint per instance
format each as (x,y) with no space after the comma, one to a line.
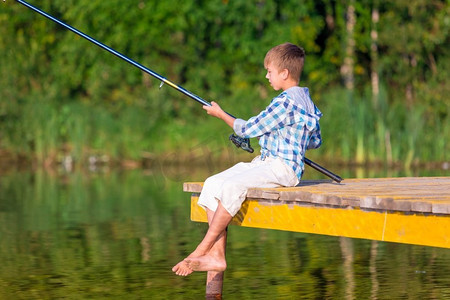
(216,111)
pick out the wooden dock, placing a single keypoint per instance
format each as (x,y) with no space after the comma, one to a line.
(412,210)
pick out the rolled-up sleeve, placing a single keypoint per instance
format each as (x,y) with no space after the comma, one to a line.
(238,125)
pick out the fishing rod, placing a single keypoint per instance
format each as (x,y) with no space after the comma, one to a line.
(240,142)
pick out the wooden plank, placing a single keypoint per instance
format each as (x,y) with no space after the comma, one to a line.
(406,194)
(385,203)
(440,208)
(193,187)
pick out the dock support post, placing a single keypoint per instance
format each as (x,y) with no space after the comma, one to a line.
(214,280)
(214,284)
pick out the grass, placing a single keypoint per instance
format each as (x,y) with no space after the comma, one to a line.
(354,129)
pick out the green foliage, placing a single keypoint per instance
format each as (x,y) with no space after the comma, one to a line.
(61,95)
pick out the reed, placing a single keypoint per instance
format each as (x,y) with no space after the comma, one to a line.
(354,130)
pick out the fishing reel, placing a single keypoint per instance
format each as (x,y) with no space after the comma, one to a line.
(241,142)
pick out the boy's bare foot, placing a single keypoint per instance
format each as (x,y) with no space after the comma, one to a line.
(182,269)
(206,263)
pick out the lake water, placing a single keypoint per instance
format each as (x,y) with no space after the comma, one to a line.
(116,235)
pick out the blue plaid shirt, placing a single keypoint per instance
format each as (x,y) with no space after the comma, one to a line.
(286,128)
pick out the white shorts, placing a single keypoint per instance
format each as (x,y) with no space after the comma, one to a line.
(230,186)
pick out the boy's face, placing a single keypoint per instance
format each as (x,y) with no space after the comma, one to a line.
(276,77)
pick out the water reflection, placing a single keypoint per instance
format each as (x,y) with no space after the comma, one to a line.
(347,255)
(116,235)
(373,269)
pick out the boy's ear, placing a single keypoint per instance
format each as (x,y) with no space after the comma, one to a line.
(285,74)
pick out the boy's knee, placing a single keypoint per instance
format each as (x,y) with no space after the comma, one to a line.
(212,185)
(212,181)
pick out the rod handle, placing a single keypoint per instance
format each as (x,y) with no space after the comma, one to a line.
(322,170)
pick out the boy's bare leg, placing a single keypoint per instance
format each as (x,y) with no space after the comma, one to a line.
(214,260)
(210,253)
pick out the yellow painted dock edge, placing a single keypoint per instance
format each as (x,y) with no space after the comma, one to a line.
(407,228)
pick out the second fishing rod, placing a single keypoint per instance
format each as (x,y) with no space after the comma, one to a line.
(240,142)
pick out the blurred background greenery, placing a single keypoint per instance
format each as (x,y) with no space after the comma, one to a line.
(377,70)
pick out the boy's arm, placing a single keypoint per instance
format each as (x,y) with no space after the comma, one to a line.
(271,118)
(216,111)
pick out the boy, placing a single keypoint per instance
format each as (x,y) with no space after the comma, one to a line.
(286,129)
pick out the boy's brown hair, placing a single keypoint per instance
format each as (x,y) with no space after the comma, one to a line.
(287,56)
